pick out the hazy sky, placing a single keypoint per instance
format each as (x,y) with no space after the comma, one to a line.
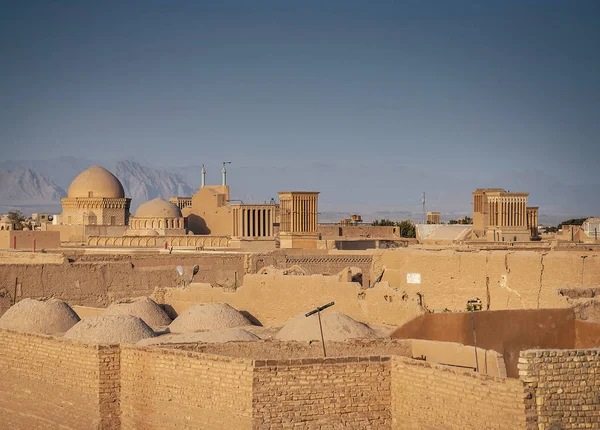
(470,89)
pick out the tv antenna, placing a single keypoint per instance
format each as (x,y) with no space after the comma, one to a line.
(423,200)
(318,312)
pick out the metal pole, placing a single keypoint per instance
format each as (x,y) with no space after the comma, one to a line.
(322,338)
(474,341)
(583,257)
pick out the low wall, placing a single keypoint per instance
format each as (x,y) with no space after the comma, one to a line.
(163,388)
(507,332)
(457,355)
(563,387)
(49,382)
(158,241)
(25,239)
(501,279)
(274,299)
(331,392)
(358,231)
(428,396)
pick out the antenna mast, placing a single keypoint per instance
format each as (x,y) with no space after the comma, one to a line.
(423,200)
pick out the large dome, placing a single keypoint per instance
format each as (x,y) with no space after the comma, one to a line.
(96,182)
(158,208)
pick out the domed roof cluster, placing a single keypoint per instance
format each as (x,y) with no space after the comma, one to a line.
(158,208)
(96,182)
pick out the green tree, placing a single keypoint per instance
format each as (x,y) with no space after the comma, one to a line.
(452,221)
(16,218)
(572,221)
(407,229)
(384,222)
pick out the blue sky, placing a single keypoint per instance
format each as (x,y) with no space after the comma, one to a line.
(459,92)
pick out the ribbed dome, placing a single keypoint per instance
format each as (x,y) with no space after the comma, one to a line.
(96,182)
(158,208)
(5,219)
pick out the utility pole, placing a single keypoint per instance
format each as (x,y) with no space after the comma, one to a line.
(424,214)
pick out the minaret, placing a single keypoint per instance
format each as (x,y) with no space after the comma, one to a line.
(224,173)
(203,171)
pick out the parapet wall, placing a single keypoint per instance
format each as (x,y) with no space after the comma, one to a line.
(563,387)
(163,388)
(427,395)
(350,392)
(50,382)
(501,279)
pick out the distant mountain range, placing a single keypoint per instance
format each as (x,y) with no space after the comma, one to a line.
(393,193)
(33,191)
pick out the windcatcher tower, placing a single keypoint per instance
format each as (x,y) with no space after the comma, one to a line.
(299,219)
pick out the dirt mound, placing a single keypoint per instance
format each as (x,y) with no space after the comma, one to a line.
(210,316)
(218,336)
(292,271)
(336,327)
(141,307)
(39,316)
(110,329)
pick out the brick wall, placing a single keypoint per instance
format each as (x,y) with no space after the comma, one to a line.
(49,382)
(322,393)
(564,387)
(426,395)
(163,388)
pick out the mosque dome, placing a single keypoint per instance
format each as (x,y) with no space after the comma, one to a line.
(158,208)
(96,182)
(5,219)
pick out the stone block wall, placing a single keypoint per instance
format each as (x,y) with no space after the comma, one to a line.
(163,389)
(563,388)
(426,395)
(50,382)
(352,393)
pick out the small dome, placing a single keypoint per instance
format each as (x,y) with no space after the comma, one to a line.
(5,219)
(110,329)
(158,208)
(39,316)
(96,182)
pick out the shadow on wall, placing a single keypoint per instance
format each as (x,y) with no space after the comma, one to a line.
(507,332)
(197,225)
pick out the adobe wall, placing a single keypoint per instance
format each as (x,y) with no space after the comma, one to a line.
(25,238)
(501,279)
(507,332)
(358,231)
(563,387)
(50,382)
(274,299)
(163,388)
(457,355)
(349,392)
(69,233)
(427,395)
(587,334)
(98,280)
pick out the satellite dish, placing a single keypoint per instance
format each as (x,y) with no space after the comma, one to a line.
(50,217)
(180,270)
(196,268)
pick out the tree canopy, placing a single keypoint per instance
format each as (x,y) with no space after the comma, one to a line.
(407,227)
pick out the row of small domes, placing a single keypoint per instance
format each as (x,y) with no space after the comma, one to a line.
(99,182)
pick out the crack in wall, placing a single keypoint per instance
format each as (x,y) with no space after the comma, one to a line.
(541,278)
(504,283)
